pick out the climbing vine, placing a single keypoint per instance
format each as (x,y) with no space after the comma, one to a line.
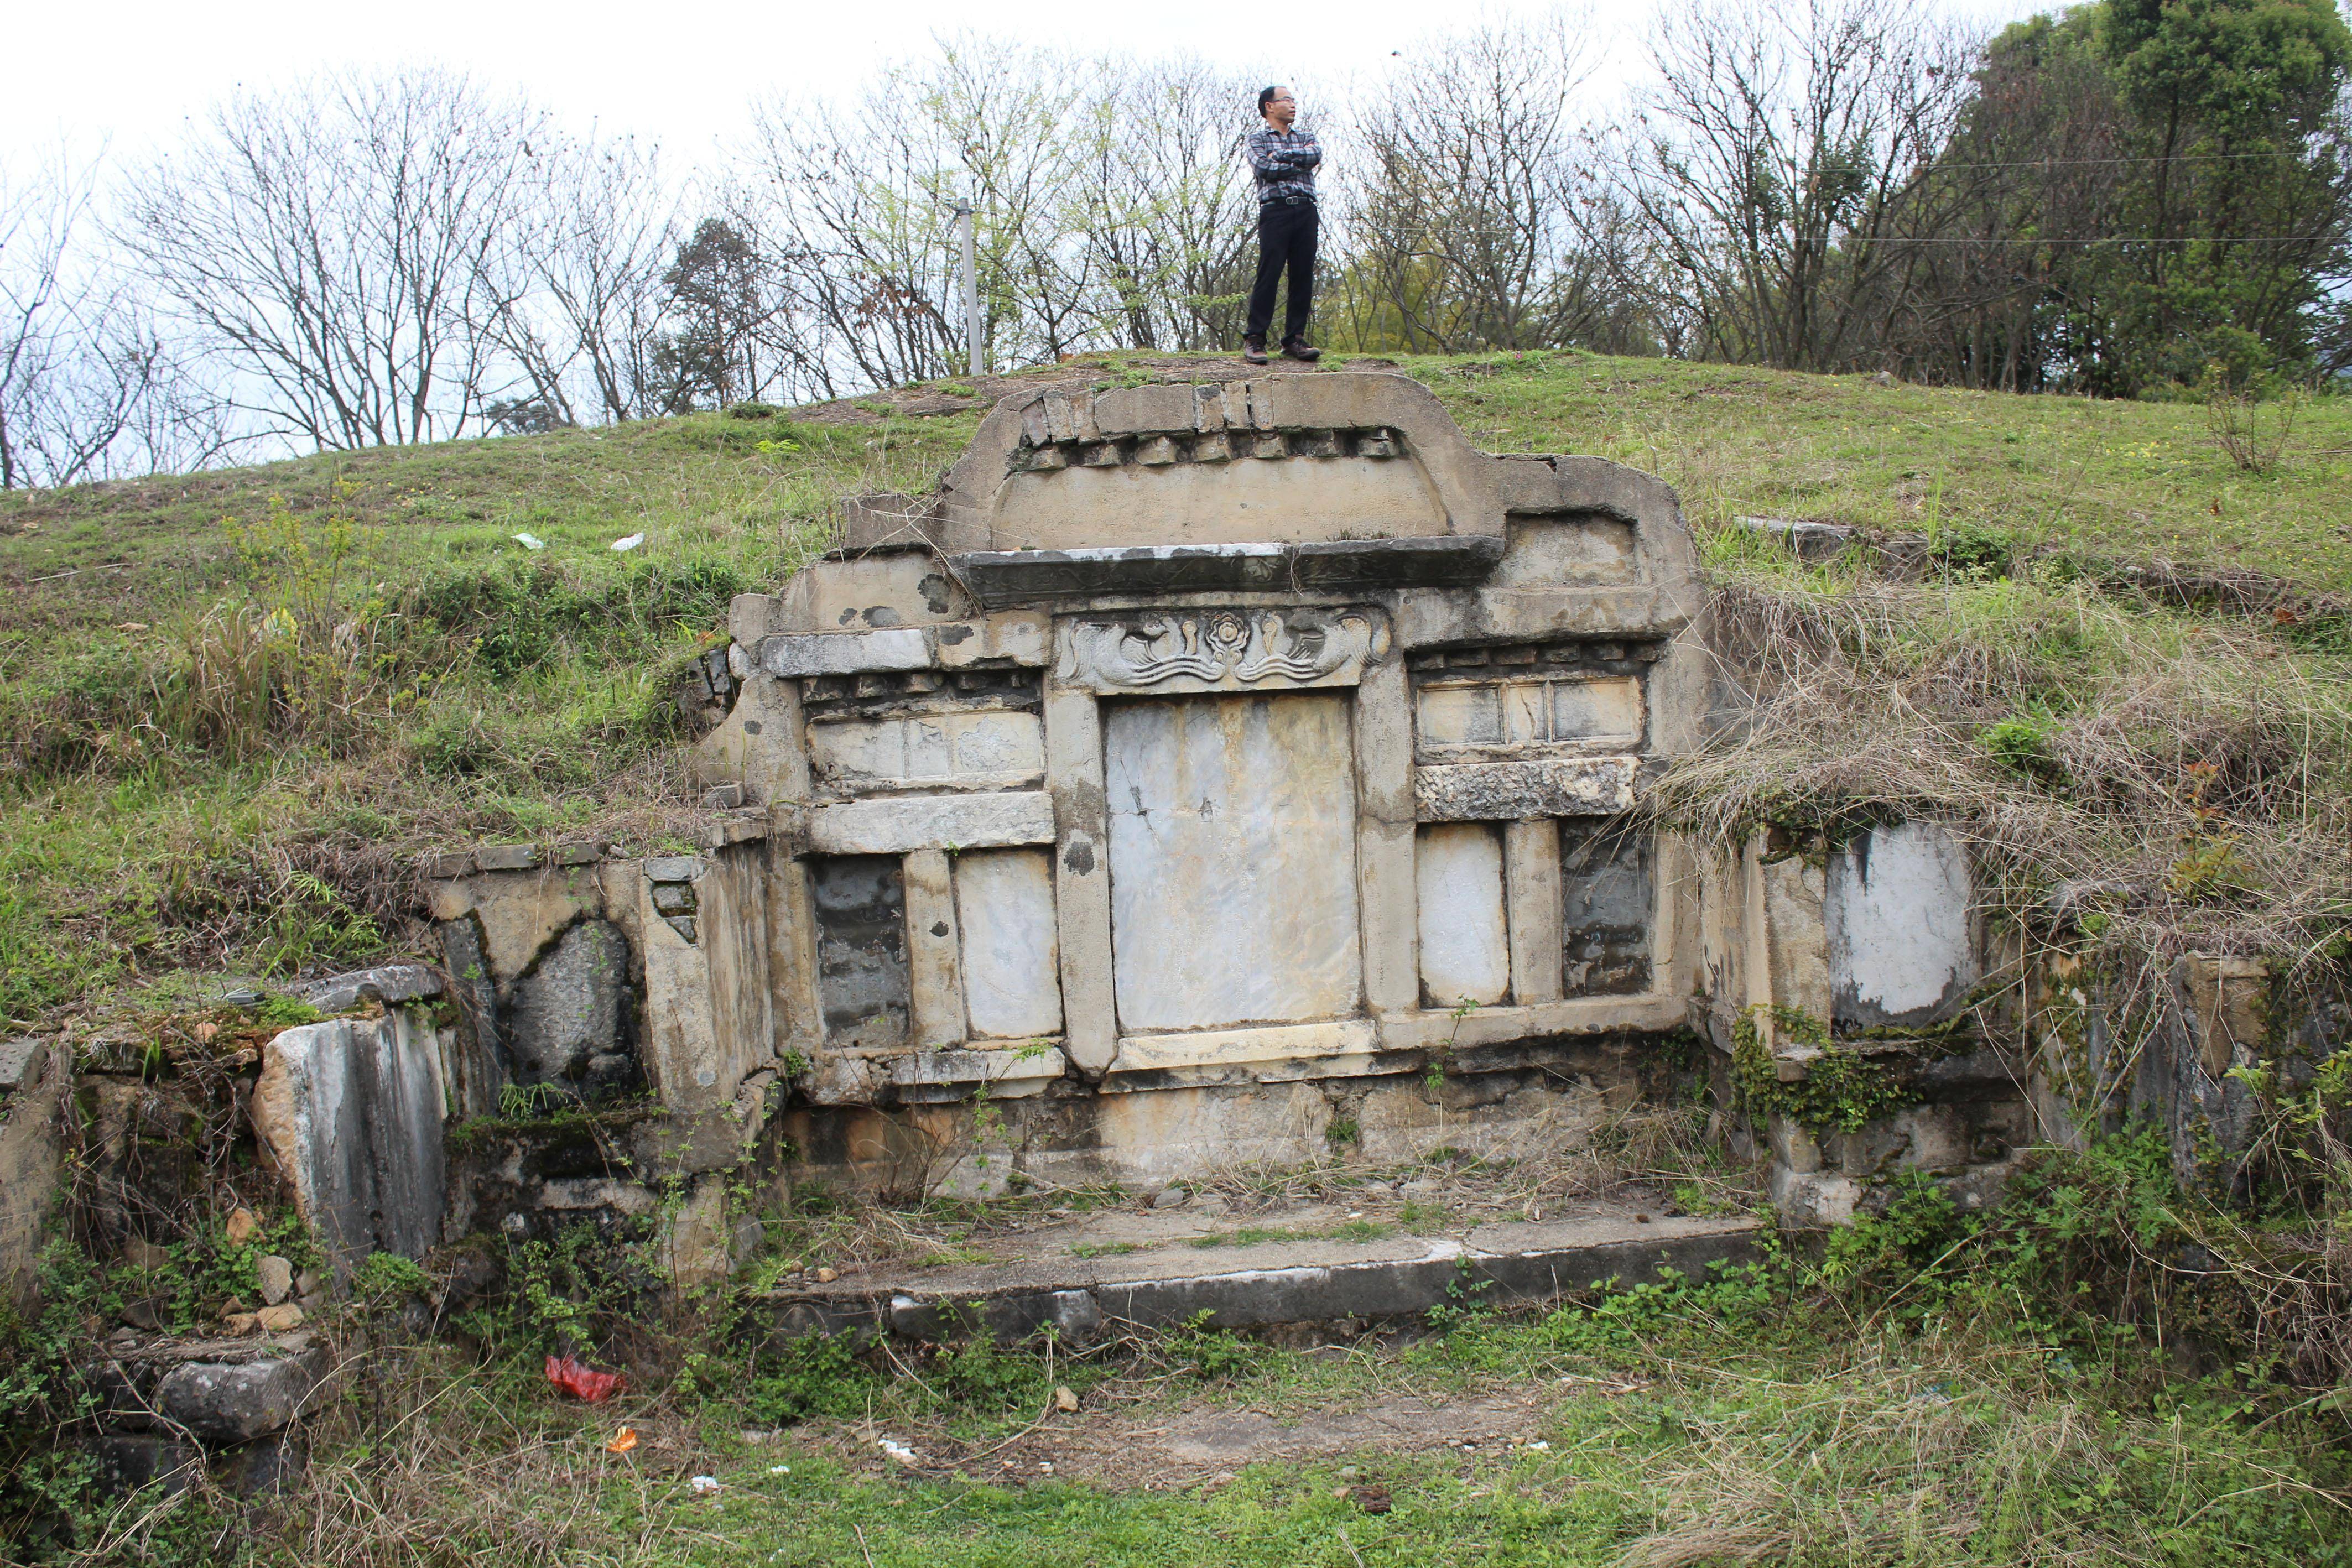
(1841,1090)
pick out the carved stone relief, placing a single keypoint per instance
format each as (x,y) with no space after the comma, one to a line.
(1168,652)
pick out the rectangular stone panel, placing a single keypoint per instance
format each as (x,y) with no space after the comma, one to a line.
(1164,653)
(1548,552)
(894,826)
(1898,907)
(1465,949)
(1607,898)
(861,950)
(1520,790)
(984,750)
(1576,711)
(1233,861)
(845,652)
(1011,958)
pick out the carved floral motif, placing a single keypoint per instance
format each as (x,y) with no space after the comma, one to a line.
(1220,650)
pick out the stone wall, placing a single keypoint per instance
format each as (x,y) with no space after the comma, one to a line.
(1201,775)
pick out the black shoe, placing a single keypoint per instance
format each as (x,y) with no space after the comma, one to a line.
(1296,348)
(1253,350)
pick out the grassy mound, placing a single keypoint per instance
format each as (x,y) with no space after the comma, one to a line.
(236,706)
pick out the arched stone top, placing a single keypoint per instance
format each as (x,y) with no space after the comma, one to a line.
(1276,459)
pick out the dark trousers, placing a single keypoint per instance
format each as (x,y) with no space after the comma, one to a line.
(1285,237)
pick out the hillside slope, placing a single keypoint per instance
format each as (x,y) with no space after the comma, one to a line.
(233,707)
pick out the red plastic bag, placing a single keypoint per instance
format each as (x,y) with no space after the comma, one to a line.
(570,1374)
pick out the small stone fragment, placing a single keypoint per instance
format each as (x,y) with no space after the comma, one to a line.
(277,1276)
(278,1320)
(308,1284)
(241,1227)
(241,1323)
(827,1276)
(1066,1400)
(1170,1198)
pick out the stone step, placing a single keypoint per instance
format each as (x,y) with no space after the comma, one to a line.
(1260,1285)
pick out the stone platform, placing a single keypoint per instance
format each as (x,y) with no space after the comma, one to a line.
(1087,1275)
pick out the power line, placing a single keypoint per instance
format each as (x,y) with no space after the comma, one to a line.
(2121,158)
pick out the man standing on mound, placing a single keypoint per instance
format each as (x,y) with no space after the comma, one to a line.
(1285,161)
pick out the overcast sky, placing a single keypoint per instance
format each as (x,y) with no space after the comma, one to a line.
(133,72)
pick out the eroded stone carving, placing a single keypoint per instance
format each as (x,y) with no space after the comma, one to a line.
(1219,651)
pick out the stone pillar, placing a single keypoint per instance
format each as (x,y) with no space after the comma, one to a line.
(1385,873)
(1531,880)
(1074,764)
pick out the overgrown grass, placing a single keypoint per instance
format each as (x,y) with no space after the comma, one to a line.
(1931,1391)
(235,706)
(2126,481)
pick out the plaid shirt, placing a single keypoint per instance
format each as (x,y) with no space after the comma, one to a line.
(1285,162)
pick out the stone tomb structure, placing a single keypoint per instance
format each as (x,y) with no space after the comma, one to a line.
(1203,774)
(1196,770)
(1201,764)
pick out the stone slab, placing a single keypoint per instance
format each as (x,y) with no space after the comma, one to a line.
(1381,1281)
(1009,1073)
(1012,955)
(795,655)
(1513,792)
(1532,873)
(352,1112)
(234,1402)
(1465,950)
(934,969)
(1588,712)
(978,750)
(1242,1047)
(897,825)
(1001,578)
(1901,927)
(1180,652)
(1233,839)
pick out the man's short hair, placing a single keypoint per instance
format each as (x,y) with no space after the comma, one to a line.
(1264,96)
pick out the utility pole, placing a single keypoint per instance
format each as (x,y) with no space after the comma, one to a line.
(965,224)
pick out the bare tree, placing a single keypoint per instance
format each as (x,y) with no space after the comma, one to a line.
(1168,204)
(854,201)
(326,245)
(1781,161)
(572,289)
(89,388)
(1462,222)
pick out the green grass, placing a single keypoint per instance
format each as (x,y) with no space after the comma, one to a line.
(1728,1433)
(459,688)
(2128,481)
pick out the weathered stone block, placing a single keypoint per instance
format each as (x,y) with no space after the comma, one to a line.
(1511,791)
(1214,804)
(224,1401)
(990,750)
(895,826)
(796,656)
(565,1021)
(1465,953)
(1012,960)
(352,1112)
(391,984)
(860,904)
(1901,926)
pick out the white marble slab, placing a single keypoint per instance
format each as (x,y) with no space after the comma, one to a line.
(1011,962)
(1233,858)
(1465,946)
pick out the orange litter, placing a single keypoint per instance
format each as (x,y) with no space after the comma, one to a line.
(622,1441)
